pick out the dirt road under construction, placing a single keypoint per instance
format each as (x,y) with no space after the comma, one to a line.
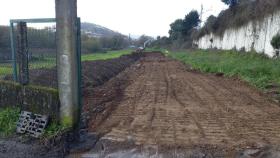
(159,107)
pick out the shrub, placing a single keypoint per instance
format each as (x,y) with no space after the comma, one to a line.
(275,42)
(91,45)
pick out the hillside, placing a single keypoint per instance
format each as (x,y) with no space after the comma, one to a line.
(98,31)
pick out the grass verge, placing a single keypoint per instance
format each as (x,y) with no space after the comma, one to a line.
(254,68)
(8,119)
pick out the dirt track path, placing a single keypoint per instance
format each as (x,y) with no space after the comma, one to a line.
(168,105)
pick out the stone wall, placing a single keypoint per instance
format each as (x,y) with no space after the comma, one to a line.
(254,36)
(39,100)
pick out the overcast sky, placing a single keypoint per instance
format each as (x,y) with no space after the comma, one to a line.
(149,17)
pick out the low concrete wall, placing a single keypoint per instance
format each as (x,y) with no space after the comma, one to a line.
(39,100)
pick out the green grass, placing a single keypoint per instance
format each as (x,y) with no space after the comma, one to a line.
(256,69)
(8,119)
(54,129)
(105,56)
(45,63)
(6,69)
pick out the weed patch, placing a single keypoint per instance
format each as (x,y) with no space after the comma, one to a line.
(8,119)
(54,129)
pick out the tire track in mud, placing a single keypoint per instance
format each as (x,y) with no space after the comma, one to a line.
(224,109)
(246,129)
(217,104)
(174,95)
(165,104)
(209,124)
(136,94)
(249,129)
(124,114)
(222,120)
(268,117)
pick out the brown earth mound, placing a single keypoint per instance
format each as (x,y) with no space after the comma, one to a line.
(94,73)
(159,108)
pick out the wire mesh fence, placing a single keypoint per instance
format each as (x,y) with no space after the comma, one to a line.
(28,52)
(5,52)
(6,67)
(42,55)
(40,49)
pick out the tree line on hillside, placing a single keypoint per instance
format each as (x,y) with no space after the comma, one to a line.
(45,38)
(116,42)
(37,38)
(184,31)
(103,44)
(42,42)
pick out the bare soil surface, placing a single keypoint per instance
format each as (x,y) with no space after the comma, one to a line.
(94,73)
(160,108)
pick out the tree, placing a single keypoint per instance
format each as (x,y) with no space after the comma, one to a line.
(182,28)
(158,37)
(191,21)
(231,3)
(161,42)
(176,29)
(90,45)
(210,24)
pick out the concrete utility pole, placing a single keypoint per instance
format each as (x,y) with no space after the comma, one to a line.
(67,66)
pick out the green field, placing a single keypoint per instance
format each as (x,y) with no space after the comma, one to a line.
(104,56)
(6,69)
(256,69)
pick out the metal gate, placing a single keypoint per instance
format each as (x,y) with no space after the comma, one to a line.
(21,54)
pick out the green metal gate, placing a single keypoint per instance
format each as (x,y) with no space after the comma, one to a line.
(14,48)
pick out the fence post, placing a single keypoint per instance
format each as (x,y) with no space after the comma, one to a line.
(15,77)
(22,53)
(67,65)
